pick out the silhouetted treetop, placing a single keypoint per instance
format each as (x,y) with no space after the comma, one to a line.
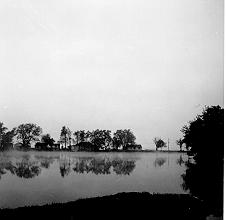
(205,134)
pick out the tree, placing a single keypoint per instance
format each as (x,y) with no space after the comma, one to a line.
(180,142)
(101,139)
(123,138)
(3,130)
(80,136)
(69,136)
(204,136)
(159,143)
(46,138)
(27,133)
(77,137)
(7,139)
(205,132)
(65,136)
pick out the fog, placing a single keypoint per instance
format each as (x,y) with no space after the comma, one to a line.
(150,66)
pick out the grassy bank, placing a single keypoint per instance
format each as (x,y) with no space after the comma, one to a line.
(121,206)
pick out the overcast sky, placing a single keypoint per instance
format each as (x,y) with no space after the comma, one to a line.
(148,65)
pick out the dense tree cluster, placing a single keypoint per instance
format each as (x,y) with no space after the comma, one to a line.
(101,139)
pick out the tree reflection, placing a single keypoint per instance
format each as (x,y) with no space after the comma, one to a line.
(2,171)
(159,161)
(123,167)
(23,169)
(45,161)
(26,169)
(30,167)
(4,166)
(99,166)
(65,168)
(205,181)
(180,161)
(103,166)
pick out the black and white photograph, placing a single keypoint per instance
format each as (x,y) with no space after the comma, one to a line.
(112,109)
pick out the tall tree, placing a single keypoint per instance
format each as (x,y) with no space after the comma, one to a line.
(65,136)
(3,130)
(180,142)
(27,133)
(77,136)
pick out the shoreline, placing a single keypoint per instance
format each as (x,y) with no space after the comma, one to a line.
(126,205)
(101,151)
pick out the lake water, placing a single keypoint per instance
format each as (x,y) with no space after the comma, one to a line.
(35,178)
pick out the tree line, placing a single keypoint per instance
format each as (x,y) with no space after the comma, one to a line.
(95,140)
(194,135)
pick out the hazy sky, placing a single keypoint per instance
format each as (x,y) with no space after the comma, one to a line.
(148,65)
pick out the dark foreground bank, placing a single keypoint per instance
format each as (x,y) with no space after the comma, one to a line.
(121,206)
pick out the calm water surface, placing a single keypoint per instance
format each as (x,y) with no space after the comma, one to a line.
(31,178)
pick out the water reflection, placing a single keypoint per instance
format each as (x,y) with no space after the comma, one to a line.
(98,166)
(159,161)
(45,161)
(65,168)
(180,161)
(123,167)
(94,165)
(27,167)
(24,169)
(205,181)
